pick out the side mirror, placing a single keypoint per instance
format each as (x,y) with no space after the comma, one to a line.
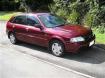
(38,26)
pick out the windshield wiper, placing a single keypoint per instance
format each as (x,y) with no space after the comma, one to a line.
(60,25)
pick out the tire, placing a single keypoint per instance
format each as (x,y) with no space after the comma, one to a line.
(90,47)
(12,38)
(57,48)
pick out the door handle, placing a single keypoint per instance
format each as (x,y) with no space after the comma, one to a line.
(27,29)
(13,26)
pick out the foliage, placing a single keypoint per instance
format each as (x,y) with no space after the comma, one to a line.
(8,5)
(101,28)
(91,17)
(87,12)
(79,10)
(100,37)
(74,17)
(24,5)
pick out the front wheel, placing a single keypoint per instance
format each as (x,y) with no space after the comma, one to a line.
(57,48)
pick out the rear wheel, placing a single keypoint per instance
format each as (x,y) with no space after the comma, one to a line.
(57,48)
(12,38)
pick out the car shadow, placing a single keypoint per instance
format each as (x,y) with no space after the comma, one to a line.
(33,47)
(93,55)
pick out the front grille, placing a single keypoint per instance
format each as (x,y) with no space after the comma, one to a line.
(88,37)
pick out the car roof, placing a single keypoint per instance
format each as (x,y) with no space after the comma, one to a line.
(36,14)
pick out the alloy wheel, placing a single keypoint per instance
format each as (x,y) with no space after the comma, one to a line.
(57,48)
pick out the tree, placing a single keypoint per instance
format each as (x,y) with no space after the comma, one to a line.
(25,5)
(8,5)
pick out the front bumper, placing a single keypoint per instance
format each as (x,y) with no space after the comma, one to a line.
(74,47)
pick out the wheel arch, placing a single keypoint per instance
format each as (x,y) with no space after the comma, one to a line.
(61,41)
(56,38)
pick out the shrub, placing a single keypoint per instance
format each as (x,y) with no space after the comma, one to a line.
(79,9)
(90,18)
(62,13)
(101,28)
(74,17)
(88,12)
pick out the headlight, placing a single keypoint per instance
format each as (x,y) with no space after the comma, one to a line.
(77,39)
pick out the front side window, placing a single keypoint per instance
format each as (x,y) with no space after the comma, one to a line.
(32,21)
(20,20)
(50,20)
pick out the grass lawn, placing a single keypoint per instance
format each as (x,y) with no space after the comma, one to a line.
(7,15)
(100,38)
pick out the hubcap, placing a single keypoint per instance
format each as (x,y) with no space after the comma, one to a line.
(57,49)
(12,38)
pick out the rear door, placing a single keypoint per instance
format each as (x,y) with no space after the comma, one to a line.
(20,27)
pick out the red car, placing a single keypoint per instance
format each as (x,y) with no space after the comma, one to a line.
(50,31)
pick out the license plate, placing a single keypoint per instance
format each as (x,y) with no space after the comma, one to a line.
(91,43)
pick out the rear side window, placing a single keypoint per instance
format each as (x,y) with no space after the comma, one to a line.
(20,20)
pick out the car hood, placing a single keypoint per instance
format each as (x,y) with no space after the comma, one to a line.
(73,30)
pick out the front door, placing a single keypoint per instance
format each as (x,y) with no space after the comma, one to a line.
(35,34)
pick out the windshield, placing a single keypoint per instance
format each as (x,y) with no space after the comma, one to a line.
(50,20)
